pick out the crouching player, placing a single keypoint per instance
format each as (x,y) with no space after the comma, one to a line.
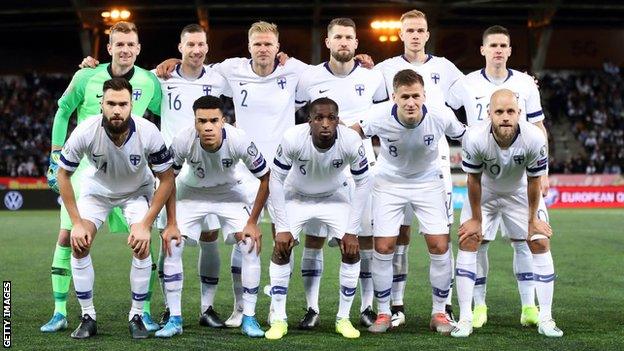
(120,148)
(309,186)
(211,185)
(409,176)
(504,159)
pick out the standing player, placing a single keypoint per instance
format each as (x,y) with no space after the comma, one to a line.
(120,149)
(354,89)
(211,185)
(499,155)
(409,176)
(309,186)
(473,92)
(439,74)
(84,96)
(191,80)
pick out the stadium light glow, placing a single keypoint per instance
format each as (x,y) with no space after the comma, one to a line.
(115,15)
(390,24)
(394,38)
(383,38)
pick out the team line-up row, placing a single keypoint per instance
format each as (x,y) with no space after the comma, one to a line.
(309,188)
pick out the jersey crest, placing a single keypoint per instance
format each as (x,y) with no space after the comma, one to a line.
(135,159)
(428,139)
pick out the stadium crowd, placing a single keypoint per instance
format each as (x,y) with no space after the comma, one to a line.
(591,101)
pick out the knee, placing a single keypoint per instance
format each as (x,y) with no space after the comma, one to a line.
(351,258)
(279,258)
(209,236)
(64,238)
(384,247)
(539,246)
(470,244)
(366,242)
(438,247)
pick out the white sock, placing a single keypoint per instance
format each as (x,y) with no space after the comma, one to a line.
(208,266)
(464,281)
(161,273)
(440,278)
(544,275)
(250,276)
(139,284)
(366,279)
(173,278)
(483,266)
(399,278)
(382,280)
(311,272)
(236,262)
(449,298)
(349,273)
(280,277)
(84,276)
(523,269)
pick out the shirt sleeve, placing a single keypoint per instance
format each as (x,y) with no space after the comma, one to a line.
(154,104)
(359,162)
(534,111)
(455,76)
(454,97)
(252,157)
(178,153)
(537,158)
(159,156)
(381,93)
(67,104)
(472,161)
(454,128)
(73,151)
(282,163)
(301,95)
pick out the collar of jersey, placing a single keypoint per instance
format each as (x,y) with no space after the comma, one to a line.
(514,138)
(396,117)
(180,73)
(131,126)
(326,65)
(429,56)
(509,74)
(275,64)
(126,76)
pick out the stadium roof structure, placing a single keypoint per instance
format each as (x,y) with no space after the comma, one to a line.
(42,14)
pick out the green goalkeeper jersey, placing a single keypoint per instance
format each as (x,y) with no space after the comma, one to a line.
(85,93)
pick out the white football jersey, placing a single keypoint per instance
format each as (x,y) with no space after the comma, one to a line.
(215,170)
(503,171)
(475,90)
(354,93)
(409,155)
(438,73)
(264,106)
(315,173)
(179,94)
(117,172)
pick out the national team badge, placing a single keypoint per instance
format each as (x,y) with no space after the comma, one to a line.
(135,159)
(281,81)
(518,159)
(136,94)
(207,89)
(361,151)
(428,139)
(337,162)
(227,162)
(435,77)
(252,150)
(359,89)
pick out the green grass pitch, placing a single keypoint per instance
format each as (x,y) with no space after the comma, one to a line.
(588,250)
